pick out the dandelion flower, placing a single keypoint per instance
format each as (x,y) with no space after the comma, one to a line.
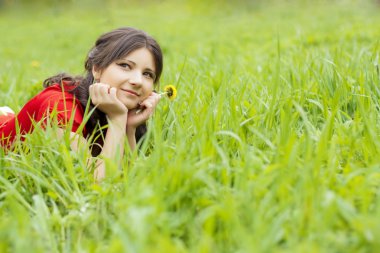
(170,91)
(35,64)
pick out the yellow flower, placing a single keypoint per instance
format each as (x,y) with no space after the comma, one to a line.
(35,64)
(170,91)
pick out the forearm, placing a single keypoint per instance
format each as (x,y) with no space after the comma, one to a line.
(131,135)
(113,147)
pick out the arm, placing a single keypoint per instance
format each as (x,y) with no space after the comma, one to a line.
(105,99)
(121,122)
(131,138)
(113,148)
(139,116)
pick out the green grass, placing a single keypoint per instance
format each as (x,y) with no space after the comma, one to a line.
(272,144)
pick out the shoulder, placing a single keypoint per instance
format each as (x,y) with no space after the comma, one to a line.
(55,94)
(53,97)
(58,101)
(58,90)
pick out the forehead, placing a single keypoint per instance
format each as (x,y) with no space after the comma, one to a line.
(142,57)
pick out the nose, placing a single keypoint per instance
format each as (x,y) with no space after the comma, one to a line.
(136,78)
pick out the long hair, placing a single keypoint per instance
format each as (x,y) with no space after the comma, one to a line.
(108,48)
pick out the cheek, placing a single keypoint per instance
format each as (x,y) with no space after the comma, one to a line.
(111,77)
(148,90)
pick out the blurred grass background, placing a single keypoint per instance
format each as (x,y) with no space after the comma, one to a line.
(271,146)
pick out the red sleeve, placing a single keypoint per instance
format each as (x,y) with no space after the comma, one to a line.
(52,101)
(66,110)
(7,129)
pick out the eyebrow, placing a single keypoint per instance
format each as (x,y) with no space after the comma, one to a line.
(134,64)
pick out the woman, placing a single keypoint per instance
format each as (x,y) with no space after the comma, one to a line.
(122,70)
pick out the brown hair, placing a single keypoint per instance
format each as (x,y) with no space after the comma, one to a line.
(108,48)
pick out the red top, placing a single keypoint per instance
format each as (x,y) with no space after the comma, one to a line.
(55,99)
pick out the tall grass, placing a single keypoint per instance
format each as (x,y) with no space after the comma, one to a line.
(272,144)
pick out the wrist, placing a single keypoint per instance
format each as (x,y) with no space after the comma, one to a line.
(118,119)
(118,124)
(131,131)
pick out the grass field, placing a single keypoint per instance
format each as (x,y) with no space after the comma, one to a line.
(272,144)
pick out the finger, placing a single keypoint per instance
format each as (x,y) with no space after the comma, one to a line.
(95,90)
(148,108)
(90,90)
(103,90)
(151,101)
(147,103)
(148,112)
(114,98)
(92,94)
(155,97)
(112,92)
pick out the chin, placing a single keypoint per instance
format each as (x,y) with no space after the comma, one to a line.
(131,106)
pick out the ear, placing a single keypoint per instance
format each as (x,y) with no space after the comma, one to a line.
(96,73)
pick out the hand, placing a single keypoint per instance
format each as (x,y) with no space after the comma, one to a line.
(105,99)
(141,114)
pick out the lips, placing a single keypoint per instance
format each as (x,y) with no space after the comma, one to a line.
(131,92)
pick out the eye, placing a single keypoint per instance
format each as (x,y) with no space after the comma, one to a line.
(150,75)
(124,65)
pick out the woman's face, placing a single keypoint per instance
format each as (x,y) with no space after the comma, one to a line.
(133,76)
